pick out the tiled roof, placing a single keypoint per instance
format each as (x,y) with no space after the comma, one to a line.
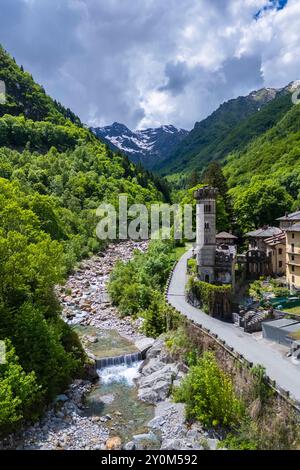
(294,228)
(265,232)
(275,240)
(292,216)
(226,235)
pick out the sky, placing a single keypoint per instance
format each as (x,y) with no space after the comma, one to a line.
(145,63)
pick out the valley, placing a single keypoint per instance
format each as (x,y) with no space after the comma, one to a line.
(101,337)
(116,407)
(147,147)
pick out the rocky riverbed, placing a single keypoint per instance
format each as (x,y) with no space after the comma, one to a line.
(84,297)
(67,425)
(158,375)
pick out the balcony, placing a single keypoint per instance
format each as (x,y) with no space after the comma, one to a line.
(293,263)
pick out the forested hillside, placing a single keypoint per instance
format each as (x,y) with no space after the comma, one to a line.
(230,127)
(265,176)
(259,156)
(276,152)
(53,175)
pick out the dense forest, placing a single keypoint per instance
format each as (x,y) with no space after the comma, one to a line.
(54,173)
(230,128)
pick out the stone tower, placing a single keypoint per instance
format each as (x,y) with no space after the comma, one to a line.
(206,232)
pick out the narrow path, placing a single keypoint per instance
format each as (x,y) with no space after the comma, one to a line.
(278,367)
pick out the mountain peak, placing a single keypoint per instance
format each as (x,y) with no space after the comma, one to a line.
(147,146)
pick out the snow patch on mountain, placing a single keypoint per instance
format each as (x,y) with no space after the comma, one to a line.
(145,146)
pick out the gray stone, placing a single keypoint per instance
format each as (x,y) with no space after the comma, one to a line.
(212,443)
(144,345)
(152,365)
(156,423)
(62,398)
(155,349)
(129,446)
(148,395)
(146,441)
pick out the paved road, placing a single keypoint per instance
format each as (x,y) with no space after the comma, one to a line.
(278,368)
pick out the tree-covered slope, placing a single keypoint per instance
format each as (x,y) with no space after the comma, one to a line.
(232,126)
(275,154)
(24,96)
(54,173)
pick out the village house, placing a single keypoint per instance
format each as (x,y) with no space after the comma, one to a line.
(290,223)
(276,250)
(266,252)
(293,256)
(225,238)
(288,220)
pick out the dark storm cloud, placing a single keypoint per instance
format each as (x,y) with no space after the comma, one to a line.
(178,76)
(243,72)
(141,62)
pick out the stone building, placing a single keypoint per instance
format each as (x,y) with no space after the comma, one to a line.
(293,256)
(276,250)
(290,224)
(215,261)
(266,252)
(289,219)
(225,238)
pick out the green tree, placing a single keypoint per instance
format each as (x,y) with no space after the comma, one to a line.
(209,394)
(261,204)
(19,392)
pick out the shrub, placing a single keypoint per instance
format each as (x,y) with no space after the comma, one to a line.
(271,432)
(19,392)
(260,387)
(192,266)
(136,287)
(159,316)
(209,395)
(213,298)
(181,347)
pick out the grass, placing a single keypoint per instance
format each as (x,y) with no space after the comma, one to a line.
(296,335)
(294,310)
(180,250)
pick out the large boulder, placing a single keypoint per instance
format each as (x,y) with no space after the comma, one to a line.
(156,386)
(156,348)
(152,365)
(146,441)
(144,345)
(179,444)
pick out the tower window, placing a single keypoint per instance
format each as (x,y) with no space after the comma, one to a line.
(206,226)
(207,208)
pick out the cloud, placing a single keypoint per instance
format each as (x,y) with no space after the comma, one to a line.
(149,62)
